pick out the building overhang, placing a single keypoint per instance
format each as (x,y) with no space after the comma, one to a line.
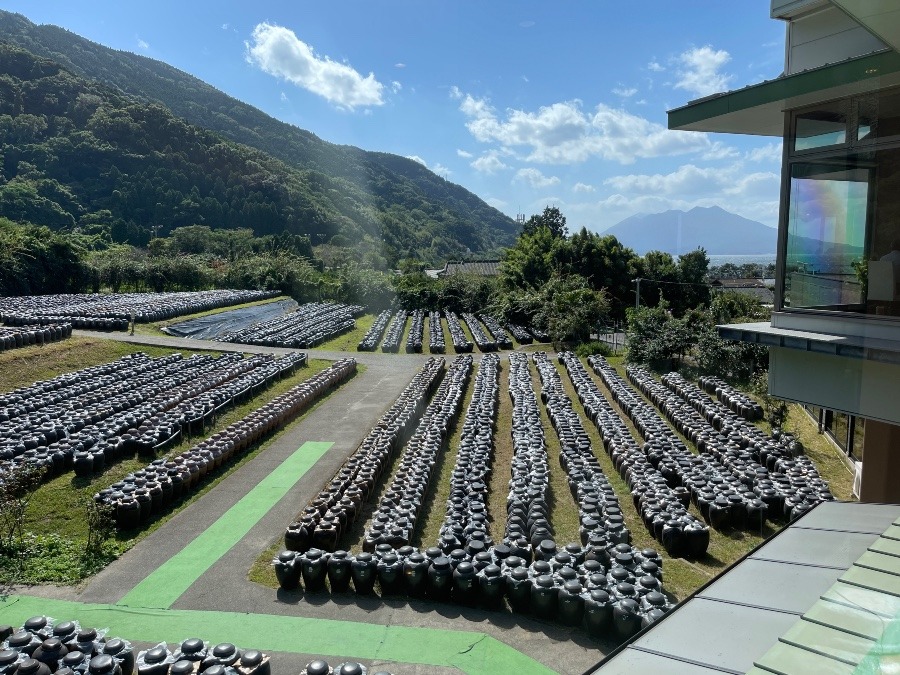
(882,19)
(758,109)
(849,346)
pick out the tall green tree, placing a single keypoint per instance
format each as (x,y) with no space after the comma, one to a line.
(551,218)
(694,289)
(605,263)
(569,309)
(532,261)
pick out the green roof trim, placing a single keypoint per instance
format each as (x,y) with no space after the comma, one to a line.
(854,628)
(783,89)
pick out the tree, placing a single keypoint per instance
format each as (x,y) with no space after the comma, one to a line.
(569,308)
(16,489)
(604,262)
(775,409)
(655,336)
(532,261)
(728,359)
(659,277)
(694,291)
(731,306)
(552,218)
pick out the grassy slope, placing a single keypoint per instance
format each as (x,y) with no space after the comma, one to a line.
(27,365)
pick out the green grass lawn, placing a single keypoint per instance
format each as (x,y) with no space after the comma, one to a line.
(27,365)
(348,341)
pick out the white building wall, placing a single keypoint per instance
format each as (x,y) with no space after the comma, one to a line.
(869,389)
(826,35)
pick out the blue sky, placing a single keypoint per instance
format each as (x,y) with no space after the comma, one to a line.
(523,103)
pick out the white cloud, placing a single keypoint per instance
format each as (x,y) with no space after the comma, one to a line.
(488,163)
(279,52)
(625,93)
(719,150)
(225,26)
(142,45)
(526,24)
(688,179)
(284,98)
(538,204)
(498,204)
(535,178)
(655,66)
(464,154)
(399,65)
(771,152)
(418,159)
(753,195)
(698,70)
(441,170)
(583,187)
(563,133)
(396,86)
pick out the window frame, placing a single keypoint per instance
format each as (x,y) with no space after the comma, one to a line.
(826,155)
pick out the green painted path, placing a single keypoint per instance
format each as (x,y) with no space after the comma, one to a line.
(169,581)
(471,652)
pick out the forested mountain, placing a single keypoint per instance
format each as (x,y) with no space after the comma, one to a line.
(394,206)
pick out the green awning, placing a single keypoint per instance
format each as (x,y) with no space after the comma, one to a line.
(758,110)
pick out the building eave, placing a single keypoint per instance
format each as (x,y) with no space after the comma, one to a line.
(758,109)
(848,346)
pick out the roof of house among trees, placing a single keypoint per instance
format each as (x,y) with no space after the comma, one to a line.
(485,268)
(755,287)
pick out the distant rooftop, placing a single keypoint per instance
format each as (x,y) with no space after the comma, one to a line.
(753,287)
(485,268)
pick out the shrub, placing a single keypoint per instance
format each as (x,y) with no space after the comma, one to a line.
(586,349)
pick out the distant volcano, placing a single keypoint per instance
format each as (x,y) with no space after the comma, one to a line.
(713,228)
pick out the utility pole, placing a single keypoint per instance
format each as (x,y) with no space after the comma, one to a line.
(637,293)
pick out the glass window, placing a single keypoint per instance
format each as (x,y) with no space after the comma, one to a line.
(839,429)
(842,247)
(821,127)
(826,237)
(858,438)
(878,117)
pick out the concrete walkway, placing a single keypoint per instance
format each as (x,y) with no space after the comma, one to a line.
(224,588)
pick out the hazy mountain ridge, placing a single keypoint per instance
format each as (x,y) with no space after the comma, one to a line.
(718,231)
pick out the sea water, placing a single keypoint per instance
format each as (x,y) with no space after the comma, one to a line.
(763,259)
